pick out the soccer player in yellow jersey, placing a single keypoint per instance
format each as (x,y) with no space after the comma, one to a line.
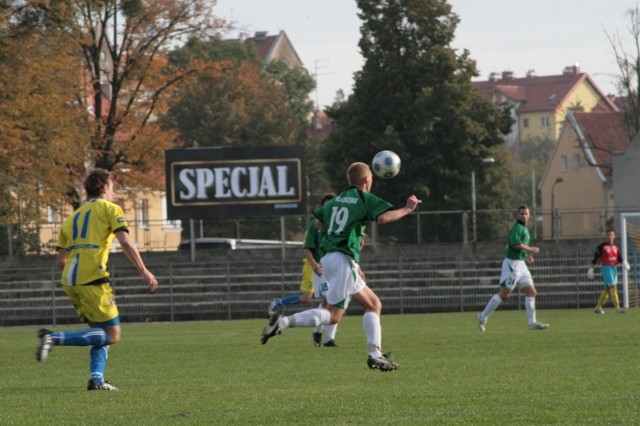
(83,251)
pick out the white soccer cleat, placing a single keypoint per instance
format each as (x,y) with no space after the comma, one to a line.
(482,323)
(599,311)
(46,344)
(538,326)
(91,385)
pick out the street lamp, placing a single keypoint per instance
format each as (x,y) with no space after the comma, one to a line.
(487,160)
(554,214)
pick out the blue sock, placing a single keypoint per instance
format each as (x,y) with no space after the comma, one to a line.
(97,363)
(290,300)
(86,337)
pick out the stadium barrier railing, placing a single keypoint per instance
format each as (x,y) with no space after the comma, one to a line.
(241,286)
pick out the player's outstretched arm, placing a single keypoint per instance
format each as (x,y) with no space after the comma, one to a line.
(132,253)
(394,215)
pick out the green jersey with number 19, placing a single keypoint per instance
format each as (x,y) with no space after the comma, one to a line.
(344,218)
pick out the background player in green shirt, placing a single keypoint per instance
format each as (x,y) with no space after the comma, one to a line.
(313,284)
(517,254)
(343,219)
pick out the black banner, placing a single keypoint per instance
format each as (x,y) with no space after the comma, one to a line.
(235,182)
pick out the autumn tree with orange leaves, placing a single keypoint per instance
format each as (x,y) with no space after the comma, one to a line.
(42,127)
(120,49)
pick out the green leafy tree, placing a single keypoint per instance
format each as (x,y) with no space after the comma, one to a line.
(231,104)
(414,96)
(237,100)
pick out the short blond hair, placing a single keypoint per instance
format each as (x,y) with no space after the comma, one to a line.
(357,172)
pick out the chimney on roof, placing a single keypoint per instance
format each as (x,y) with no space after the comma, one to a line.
(494,76)
(531,73)
(261,35)
(507,75)
(572,69)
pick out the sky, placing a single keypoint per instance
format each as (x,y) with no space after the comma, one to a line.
(501,35)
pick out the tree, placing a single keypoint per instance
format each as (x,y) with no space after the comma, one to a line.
(41,127)
(628,81)
(414,96)
(126,80)
(231,104)
(235,100)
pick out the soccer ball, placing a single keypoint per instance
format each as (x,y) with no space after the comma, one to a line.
(386,164)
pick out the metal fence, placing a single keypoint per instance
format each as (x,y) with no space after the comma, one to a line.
(434,280)
(461,226)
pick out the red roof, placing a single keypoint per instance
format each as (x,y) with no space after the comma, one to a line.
(539,93)
(263,44)
(604,133)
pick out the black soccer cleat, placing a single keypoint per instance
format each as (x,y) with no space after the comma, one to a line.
(272,329)
(317,338)
(330,344)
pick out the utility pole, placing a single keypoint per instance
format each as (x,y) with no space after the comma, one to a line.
(316,74)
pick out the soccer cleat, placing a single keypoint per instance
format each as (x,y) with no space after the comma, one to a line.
(538,326)
(274,307)
(91,385)
(482,323)
(46,344)
(317,338)
(599,311)
(382,363)
(272,329)
(621,311)
(330,344)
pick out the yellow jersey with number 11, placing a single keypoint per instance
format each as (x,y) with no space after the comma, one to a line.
(86,236)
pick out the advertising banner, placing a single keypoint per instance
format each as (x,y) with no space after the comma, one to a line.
(235,182)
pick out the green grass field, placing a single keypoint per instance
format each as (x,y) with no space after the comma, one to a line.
(583,370)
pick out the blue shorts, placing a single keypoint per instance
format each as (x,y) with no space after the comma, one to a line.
(609,275)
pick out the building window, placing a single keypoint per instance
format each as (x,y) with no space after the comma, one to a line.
(142,213)
(525,123)
(563,163)
(544,121)
(576,162)
(51,214)
(166,223)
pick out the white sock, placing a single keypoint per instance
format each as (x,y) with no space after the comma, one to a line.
(373,331)
(530,306)
(308,318)
(493,304)
(320,328)
(330,332)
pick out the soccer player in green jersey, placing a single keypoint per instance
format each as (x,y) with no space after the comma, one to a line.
(343,219)
(517,254)
(83,252)
(313,284)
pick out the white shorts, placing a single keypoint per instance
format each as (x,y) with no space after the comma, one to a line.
(515,272)
(341,273)
(320,286)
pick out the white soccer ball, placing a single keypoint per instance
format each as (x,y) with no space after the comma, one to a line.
(386,164)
